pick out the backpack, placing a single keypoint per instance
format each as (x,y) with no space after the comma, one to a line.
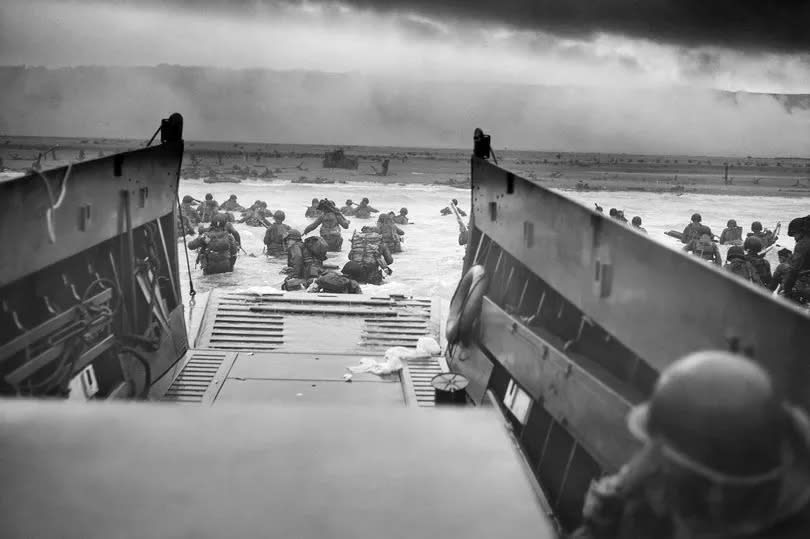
(365,248)
(334,282)
(218,242)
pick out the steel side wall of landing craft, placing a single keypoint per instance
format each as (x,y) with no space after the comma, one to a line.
(88,211)
(660,303)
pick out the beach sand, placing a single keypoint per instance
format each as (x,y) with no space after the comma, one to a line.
(754,176)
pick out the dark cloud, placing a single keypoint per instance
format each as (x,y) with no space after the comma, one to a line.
(323,108)
(422,28)
(776,25)
(745,24)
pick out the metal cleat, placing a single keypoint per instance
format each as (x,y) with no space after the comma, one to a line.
(48,305)
(72,287)
(568,344)
(14,317)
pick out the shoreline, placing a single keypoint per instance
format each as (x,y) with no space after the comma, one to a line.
(591,173)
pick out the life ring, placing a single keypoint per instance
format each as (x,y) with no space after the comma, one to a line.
(466,305)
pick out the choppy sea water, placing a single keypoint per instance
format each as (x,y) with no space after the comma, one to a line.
(430,264)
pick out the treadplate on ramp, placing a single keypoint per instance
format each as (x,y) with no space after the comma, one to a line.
(201,376)
(212,376)
(302,322)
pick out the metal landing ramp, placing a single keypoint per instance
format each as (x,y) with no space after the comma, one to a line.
(296,348)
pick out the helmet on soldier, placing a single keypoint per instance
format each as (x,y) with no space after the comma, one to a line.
(735,251)
(219,220)
(717,415)
(279,215)
(798,225)
(752,243)
(756,226)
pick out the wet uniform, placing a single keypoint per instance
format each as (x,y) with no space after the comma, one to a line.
(313,212)
(335,283)
(693,231)
(257,217)
(218,250)
(330,229)
(207,210)
(306,258)
(731,235)
(231,205)
(391,233)
(364,211)
(274,238)
(401,219)
(370,252)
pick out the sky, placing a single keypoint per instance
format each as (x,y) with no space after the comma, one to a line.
(610,45)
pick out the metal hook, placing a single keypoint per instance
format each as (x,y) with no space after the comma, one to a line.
(48,305)
(16,320)
(72,287)
(584,320)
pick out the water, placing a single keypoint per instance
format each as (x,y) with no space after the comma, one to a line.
(431,262)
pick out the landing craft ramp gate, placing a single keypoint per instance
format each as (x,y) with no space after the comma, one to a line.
(582,313)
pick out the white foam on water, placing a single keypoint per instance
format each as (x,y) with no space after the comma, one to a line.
(431,262)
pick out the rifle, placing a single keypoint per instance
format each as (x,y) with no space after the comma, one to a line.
(460,221)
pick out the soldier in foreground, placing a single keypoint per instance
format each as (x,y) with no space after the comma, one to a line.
(637,224)
(339,283)
(304,260)
(330,221)
(724,456)
(218,248)
(274,236)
